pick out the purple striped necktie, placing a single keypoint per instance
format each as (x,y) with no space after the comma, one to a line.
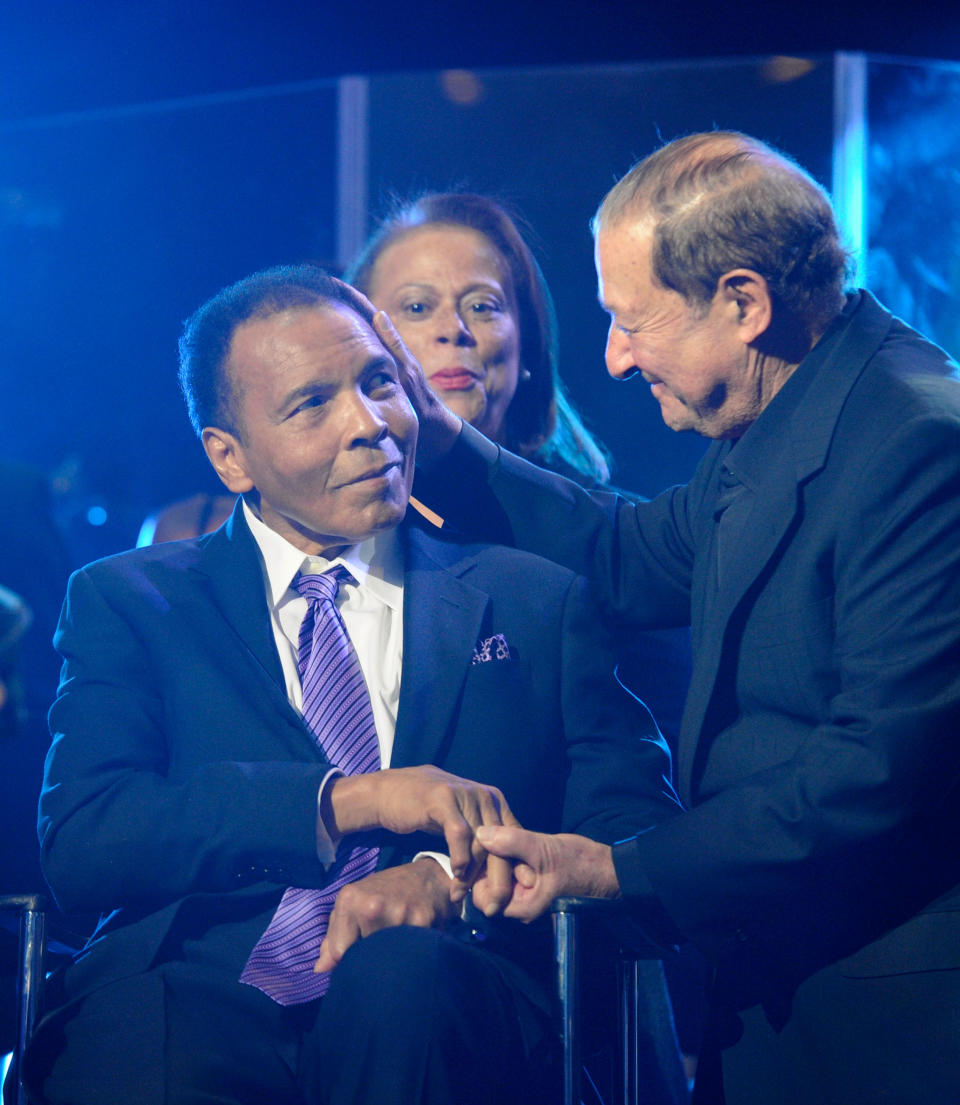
(336,707)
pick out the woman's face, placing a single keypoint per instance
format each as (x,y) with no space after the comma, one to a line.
(449,296)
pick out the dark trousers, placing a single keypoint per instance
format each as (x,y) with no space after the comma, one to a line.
(883,1040)
(412,1015)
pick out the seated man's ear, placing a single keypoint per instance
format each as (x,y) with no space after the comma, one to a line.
(225,453)
(748,296)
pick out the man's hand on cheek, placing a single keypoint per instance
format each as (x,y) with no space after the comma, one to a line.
(439,427)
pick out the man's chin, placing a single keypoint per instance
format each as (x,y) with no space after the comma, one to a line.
(366,522)
(677,420)
(383,516)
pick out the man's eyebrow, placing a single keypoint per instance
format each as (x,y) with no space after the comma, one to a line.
(481,285)
(416,284)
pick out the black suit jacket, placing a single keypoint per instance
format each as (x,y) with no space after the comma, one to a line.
(819,749)
(181,786)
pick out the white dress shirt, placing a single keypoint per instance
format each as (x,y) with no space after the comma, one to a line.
(372,611)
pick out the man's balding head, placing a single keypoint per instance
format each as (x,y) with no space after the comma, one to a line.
(720,201)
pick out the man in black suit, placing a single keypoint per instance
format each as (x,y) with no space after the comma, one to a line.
(184,792)
(816,553)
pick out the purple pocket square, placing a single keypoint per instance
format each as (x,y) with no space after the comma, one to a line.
(493,648)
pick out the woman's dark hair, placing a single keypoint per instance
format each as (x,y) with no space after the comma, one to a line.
(541,423)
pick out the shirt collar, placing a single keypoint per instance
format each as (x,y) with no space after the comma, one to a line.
(376,564)
(749,457)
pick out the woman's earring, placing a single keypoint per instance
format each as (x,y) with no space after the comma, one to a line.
(524,375)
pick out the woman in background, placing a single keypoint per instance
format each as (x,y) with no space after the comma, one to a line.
(468,297)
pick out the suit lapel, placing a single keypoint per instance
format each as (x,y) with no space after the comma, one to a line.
(804,452)
(443,616)
(231,563)
(442,620)
(776,502)
(231,567)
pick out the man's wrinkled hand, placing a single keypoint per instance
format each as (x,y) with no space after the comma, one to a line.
(423,799)
(544,867)
(412,894)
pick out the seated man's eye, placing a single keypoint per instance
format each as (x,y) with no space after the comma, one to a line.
(312,403)
(380,380)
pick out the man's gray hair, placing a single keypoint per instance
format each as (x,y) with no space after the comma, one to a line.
(720,201)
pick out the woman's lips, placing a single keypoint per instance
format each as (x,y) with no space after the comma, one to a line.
(458,378)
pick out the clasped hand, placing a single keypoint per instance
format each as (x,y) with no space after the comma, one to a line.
(544,866)
(511,870)
(427,799)
(407,800)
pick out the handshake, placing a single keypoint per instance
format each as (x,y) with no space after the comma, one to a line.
(509,869)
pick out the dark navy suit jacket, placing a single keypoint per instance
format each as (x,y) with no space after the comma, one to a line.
(181,786)
(820,747)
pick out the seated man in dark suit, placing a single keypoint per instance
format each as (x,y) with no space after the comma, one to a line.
(236,737)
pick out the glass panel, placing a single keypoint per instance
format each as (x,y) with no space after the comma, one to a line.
(914,189)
